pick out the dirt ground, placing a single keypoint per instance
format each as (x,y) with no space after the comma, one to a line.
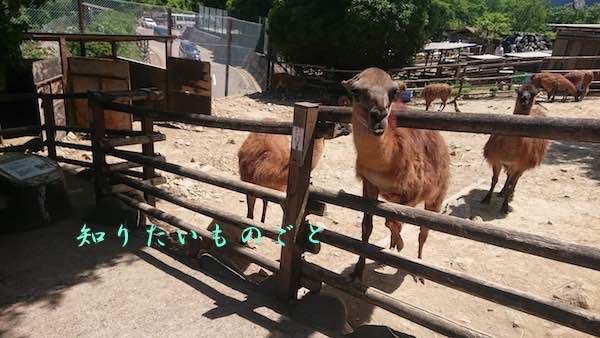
(558,200)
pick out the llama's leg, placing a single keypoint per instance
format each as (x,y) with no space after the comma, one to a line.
(502,192)
(264,211)
(444,101)
(395,234)
(496,172)
(435,206)
(369,191)
(250,201)
(427,104)
(512,183)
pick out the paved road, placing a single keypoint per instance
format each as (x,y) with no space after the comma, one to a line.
(240,81)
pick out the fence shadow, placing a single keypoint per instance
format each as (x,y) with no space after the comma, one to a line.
(469,206)
(38,266)
(359,311)
(587,155)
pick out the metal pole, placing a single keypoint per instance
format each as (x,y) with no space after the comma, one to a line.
(229,26)
(81,25)
(170,30)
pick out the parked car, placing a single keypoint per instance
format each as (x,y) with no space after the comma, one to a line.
(148,23)
(161,31)
(189,50)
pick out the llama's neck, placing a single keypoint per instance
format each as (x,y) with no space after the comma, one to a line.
(522,110)
(374,151)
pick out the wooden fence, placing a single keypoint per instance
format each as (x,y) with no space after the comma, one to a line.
(477,74)
(301,199)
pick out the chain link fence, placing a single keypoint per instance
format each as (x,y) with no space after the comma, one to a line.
(208,34)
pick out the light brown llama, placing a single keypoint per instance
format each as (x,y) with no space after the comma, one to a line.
(582,79)
(513,153)
(263,159)
(437,91)
(553,84)
(406,166)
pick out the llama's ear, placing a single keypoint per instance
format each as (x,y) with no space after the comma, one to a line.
(349,85)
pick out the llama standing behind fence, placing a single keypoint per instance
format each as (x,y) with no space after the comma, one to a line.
(264,160)
(437,91)
(515,154)
(582,79)
(553,84)
(406,166)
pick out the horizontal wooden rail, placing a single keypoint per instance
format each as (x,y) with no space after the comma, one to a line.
(131,140)
(83,164)
(580,255)
(20,131)
(116,132)
(43,36)
(175,221)
(139,94)
(553,128)
(33,146)
(219,181)
(257,126)
(74,146)
(313,272)
(114,167)
(204,234)
(124,188)
(378,298)
(242,222)
(550,310)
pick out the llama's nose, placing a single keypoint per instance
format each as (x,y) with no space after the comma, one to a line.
(377,114)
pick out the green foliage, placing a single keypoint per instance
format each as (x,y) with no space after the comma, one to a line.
(529,16)
(110,22)
(222,4)
(493,25)
(349,33)
(249,10)
(567,14)
(34,50)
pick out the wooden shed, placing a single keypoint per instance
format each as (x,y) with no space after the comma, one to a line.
(576,40)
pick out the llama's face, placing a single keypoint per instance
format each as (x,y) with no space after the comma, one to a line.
(373,92)
(526,95)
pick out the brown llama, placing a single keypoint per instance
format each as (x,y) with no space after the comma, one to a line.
(404,165)
(582,79)
(514,153)
(437,91)
(264,160)
(553,84)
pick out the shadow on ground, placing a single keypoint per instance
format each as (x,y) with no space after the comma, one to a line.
(469,206)
(585,154)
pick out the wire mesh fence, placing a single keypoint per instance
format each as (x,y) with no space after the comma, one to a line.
(208,34)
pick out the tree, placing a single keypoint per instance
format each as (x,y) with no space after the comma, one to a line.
(249,10)
(110,22)
(349,33)
(493,25)
(529,16)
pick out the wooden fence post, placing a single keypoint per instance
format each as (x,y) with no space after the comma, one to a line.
(148,150)
(228,61)
(98,132)
(50,125)
(303,130)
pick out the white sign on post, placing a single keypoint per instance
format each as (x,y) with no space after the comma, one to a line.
(25,168)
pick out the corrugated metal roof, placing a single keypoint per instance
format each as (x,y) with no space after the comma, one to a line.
(575,25)
(485,57)
(530,54)
(447,45)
